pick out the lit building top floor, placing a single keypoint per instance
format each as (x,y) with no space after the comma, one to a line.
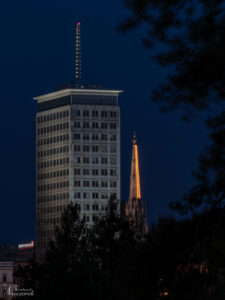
(74,94)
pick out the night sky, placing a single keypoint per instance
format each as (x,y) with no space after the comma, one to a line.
(37,54)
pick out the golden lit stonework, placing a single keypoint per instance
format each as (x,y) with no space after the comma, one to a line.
(134,209)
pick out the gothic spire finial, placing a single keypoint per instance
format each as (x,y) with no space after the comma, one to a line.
(134,138)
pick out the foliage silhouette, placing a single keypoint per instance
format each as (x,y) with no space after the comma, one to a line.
(176,260)
(192,36)
(209,193)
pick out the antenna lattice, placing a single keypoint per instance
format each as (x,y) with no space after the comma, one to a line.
(78,54)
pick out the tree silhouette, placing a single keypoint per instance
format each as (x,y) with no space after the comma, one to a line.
(190,37)
(209,193)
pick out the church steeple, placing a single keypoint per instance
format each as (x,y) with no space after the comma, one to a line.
(135,189)
(134,209)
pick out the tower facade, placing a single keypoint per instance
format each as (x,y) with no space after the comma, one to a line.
(134,208)
(77,155)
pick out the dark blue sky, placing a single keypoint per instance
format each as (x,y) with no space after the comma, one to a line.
(37,54)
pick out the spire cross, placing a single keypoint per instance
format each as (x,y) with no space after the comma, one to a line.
(134,138)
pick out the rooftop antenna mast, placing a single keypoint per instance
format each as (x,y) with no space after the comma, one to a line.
(78,54)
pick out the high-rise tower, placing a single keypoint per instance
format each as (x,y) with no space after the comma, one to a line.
(77,153)
(134,208)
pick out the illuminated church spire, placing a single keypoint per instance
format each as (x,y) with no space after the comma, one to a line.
(135,209)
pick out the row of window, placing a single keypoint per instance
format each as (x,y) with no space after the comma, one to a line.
(77,136)
(95,160)
(64,184)
(60,208)
(94,207)
(48,233)
(95,172)
(95,137)
(87,183)
(53,174)
(95,195)
(52,140)
(53,163)
(51,198)
(55,197)
(53,151)
(52,209)
(52,128)
(51,117)
(95,125)
(87,172)
(56,221)
(52,186)
(94,113)
(87,195)
(95,148)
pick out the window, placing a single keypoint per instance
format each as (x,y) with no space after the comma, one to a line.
(95,172)
(87,218)
(113,160)
(112,148)
(76,183)
(104,148)
(104,172)
(77,195)
(104,160)
(95,218)
(95,113)
(104,137)
(104,184)
(76,171)
(113,184)
(86,207)
(77,159)
(112,114)
(94,125)
(104,125)
(104,114)
(77,136)
(104,196)
(86,113)
(95,160)
(86,125)
(113,172)
(94,183)
(94,136)
(76,124)
(94,148)
(4,277)
(77,148)
(112,125)
(86,160)
(113,137)
(76,113)
(86,195)
(86,148)
(104,207)
(86,171)
(94,206)
(86,183)
(86,136)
